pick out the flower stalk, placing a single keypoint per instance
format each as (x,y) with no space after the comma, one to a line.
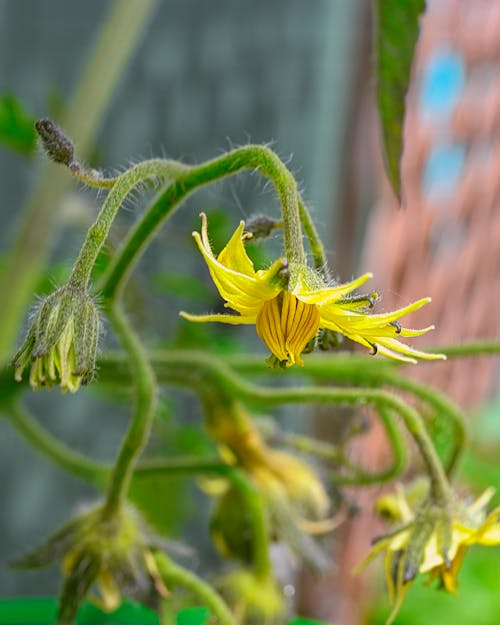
(249,157)
(98,232)
(140,425)
(175,575)
(116,42)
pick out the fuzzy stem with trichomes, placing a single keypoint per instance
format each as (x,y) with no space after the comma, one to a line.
(145,402)
(182,367)
(367,371)
(315,243)
(175,575)
(252,157)
(119,36)
(98,232)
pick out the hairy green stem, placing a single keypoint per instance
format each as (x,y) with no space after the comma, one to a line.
(98,232)
(137,434)
(175,575)
(117,41)
(259,523)
(256,157)
(473,348)
(92,178)
(443,408)
(315,243)
(363,370)
(197,368)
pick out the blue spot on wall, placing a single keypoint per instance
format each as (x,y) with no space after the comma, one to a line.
(443,169)
(443,82)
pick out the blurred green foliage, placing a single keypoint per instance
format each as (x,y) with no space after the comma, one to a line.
(17,130)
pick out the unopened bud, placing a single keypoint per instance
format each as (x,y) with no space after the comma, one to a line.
(261,226)
(61,344)
(56,144)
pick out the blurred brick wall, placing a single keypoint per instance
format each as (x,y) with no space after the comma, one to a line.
(445,242)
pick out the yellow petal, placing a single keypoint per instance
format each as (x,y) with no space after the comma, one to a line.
(328,295)
(384,318)
(286,325)
(234,255)
(241,287)
(482,501)
(231,319)
(243,293)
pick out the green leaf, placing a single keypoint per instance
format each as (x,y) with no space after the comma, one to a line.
(17,129)
(193,616)
(28,610)
(129,613)
(396,36)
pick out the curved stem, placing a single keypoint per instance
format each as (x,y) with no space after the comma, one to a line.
(60,454)
(120,35)
(259,522)
(362,477)
(175,575)
(197,368)
(183,465)
(315,243)
(362,370)
(443,407)
(99,231)
(145,402)
(332,453)
(257,157)
(92,178)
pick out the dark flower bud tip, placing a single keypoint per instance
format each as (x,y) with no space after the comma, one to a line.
(55,143)
(261,226)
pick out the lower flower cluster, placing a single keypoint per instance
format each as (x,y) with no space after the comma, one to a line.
(429,539)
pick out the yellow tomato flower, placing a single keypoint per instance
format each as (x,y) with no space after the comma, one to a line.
(431,541)
(288,305)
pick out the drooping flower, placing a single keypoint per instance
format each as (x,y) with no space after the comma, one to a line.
(289,304)
(103,559)
(292,493)
(430,540)
(61,344)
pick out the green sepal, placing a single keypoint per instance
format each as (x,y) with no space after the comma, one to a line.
(76,586)
(52,550)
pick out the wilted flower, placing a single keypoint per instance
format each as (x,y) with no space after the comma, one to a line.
(254,599)
(102,558)
(289,304)
(294,496)
(430,540)
(61,343)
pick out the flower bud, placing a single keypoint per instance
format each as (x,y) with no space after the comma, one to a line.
(61,344)
(261,226)
(231,527)
(55,143)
